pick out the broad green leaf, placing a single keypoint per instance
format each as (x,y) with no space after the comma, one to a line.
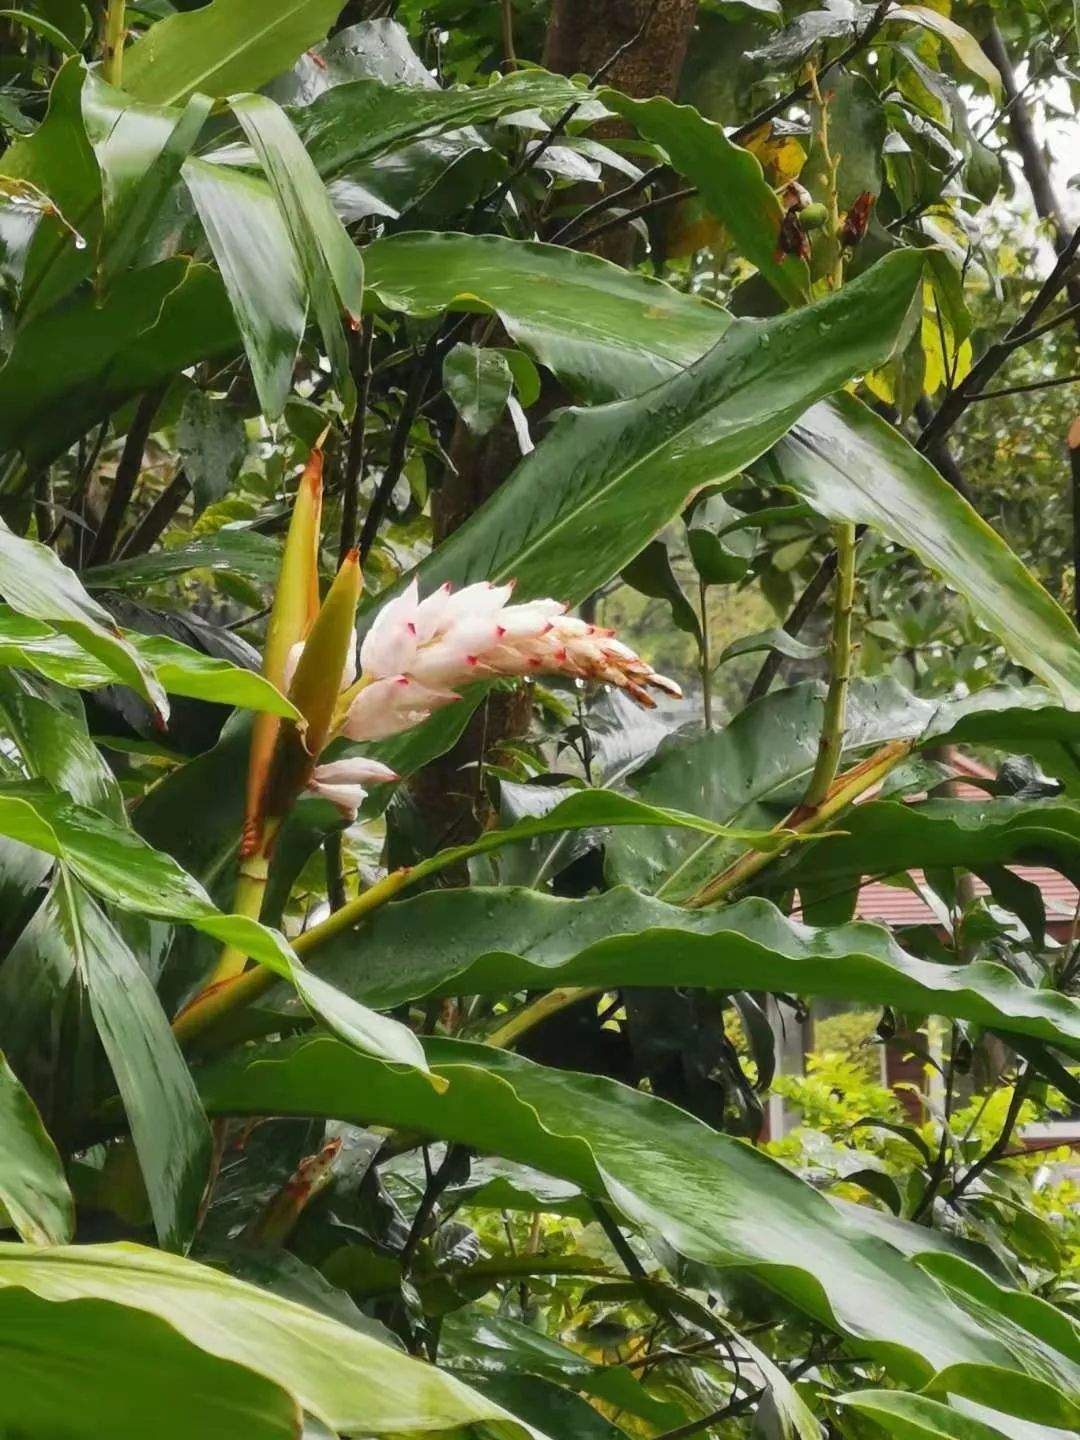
(605,481)
(120,867)
(40,26)
(851,465)
(558,1412)
(179,669)
(771,640)
(348,1380)
(92,1367)
(603,330)
(37,584)
(845,460)
(57,161)
(211,441)
(328,257)
(751,772)
(139,149)
(887,836)
(730,180)
(33,1188)
(916,1417)
(260,268)
(967,48)
(710,1196)
(356,122)
(229,551)
(493,941)
(479,383)
(49,732)
(165,318)
(650,573)
(222,48)
(71,934)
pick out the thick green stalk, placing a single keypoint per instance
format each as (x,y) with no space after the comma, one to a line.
(112,45)
(800,823)
(831,743)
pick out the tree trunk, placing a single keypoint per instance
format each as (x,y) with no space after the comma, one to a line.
(582,36)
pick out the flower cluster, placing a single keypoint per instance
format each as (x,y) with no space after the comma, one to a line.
(418,651)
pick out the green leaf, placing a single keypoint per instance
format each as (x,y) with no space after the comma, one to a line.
(345,1378)
(851,465)
(49,732)
(358,121)
(179,669)
(479,383)
(605,481)
(37,584)
(720,547)
(558,1412)
(140,149)
(223,47)
(212,442)
(328,257)
(603,330)
(33,1188)
(264,281)
(916,1417)
(93,1367)
(888,836)
(730,180)
(713,1198)
(493,941)
(42,27)
(771,640)
(120,867)
(650,573)
(752,771)
(58,162)
(967,48)
(70,932)
(165,318)
(231,552)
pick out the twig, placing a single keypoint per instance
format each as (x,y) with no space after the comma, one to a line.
(532,156)
(438,1182)
(725,1412)
(335,880)
(659,202)
(801,611)
(937,1174)
(803,91)
(127,473)
(632,1264)
(506,25)
(1023,389)
(973,385)
(399,443)
(564,235)
(1001,1144)
(154,523)
(360,347)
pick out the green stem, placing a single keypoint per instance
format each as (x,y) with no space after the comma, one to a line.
(706,660)
(112,47)
(831,743)
(800,823)
(539,1010)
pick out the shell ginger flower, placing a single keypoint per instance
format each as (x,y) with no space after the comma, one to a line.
(418,651)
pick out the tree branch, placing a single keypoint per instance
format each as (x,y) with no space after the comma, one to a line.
(127,473)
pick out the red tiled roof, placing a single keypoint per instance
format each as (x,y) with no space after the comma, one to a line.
(893,905)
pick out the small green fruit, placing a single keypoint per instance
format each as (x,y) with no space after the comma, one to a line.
(813,217)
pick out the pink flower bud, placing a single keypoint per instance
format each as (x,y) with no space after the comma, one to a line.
(344,782)
(390,706)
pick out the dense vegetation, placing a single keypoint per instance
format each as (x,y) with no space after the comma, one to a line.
(510,515)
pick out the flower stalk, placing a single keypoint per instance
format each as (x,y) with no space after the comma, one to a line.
(112,44)
(831,742)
